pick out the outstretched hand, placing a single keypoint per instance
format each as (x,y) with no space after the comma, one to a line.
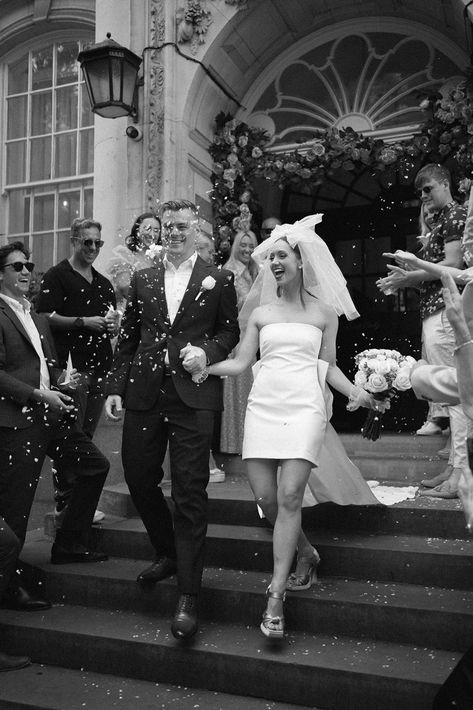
(403,259)
(459,308)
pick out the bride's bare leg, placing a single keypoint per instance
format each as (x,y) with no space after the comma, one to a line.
(265,492)
(287,528)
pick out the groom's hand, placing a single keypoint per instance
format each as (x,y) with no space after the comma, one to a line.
(193,359)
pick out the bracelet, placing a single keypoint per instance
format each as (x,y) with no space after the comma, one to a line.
(462,345)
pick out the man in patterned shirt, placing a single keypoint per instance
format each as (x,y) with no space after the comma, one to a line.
(443,247)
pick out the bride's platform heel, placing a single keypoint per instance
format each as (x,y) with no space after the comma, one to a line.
(273,626)
(298,582)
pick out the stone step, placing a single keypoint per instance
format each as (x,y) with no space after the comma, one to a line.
(322,670)
(44,687)
(392,612)
(232,502)
(411,559)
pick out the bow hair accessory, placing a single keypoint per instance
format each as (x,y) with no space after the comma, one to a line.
(321,276)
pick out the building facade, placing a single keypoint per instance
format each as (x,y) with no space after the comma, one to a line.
(291,67)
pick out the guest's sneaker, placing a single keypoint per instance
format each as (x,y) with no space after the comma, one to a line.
(216,476)
(429,429)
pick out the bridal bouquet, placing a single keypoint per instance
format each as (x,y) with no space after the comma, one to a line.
(381,373)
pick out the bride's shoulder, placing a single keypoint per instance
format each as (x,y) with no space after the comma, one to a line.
(321,309)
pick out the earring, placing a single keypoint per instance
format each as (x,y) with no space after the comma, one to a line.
(300,266)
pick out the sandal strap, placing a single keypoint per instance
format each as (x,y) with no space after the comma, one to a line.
(276,595)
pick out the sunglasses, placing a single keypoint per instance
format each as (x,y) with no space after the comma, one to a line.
(427,189)
(98,243)
(18,265)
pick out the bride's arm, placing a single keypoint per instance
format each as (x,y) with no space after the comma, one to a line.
(245,355)
(356,396)
(335,377)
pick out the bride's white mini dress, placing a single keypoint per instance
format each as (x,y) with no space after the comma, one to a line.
(288,414)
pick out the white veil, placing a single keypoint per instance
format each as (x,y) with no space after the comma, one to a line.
(321,275)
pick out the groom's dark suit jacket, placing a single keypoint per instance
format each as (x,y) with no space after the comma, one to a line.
(208,320)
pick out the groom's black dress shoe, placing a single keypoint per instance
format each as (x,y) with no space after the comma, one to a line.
(184,624)
(79,553)
(13,663)
(20,599)
(160,569)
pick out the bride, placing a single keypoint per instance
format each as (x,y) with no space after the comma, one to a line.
(291,313)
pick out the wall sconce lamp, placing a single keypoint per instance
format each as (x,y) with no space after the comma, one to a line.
(111,76)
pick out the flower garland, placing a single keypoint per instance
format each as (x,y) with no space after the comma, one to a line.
(240,154)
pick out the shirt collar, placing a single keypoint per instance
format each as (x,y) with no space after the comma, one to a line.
(17,305)
(188,264)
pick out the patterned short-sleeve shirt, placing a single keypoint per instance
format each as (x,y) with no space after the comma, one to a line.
(449,227)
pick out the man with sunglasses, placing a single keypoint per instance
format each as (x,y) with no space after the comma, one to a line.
(81,303)
(35,422)
(443,247)
(267,227)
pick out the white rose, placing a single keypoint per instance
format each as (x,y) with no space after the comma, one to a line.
(402,381)
(381,366)
(410,361)
(207,285)
(377,383)
(360,379)
(393,366)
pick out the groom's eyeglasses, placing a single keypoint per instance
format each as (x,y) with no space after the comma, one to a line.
(18,266)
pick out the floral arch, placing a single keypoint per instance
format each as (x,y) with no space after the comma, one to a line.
(375,114)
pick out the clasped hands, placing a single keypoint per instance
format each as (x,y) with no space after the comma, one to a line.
(58,401)
(194,359)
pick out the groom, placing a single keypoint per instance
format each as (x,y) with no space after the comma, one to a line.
(181,300)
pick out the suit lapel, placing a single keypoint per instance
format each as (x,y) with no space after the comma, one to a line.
(199,272)
(156,284)
(11,315)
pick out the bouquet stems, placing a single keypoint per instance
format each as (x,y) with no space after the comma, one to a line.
(372,427)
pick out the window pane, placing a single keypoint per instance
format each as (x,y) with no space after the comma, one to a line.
(19,212)
(68,208)
(41,113)
(16,162)
(40,159)
(67,66)
(42,68)
(66,108)
(43,217)
(88,210)
(86,152)
(63,246)
(43,251)
(87,117)
(66,146)
(17,121)
(18,76)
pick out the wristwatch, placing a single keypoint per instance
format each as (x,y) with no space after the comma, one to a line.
(79,323)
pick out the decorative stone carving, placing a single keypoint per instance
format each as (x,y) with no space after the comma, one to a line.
(192,23)
(154,103)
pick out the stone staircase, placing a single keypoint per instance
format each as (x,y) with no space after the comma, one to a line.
(390,617)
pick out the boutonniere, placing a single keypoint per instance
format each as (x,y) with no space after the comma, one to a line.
(207,285)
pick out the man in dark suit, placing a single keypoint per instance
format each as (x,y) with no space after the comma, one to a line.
(180,301)
(35,421)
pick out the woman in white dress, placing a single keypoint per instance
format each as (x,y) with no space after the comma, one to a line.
(301,290)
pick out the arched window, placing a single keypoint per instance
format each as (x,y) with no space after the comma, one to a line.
(48,150)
